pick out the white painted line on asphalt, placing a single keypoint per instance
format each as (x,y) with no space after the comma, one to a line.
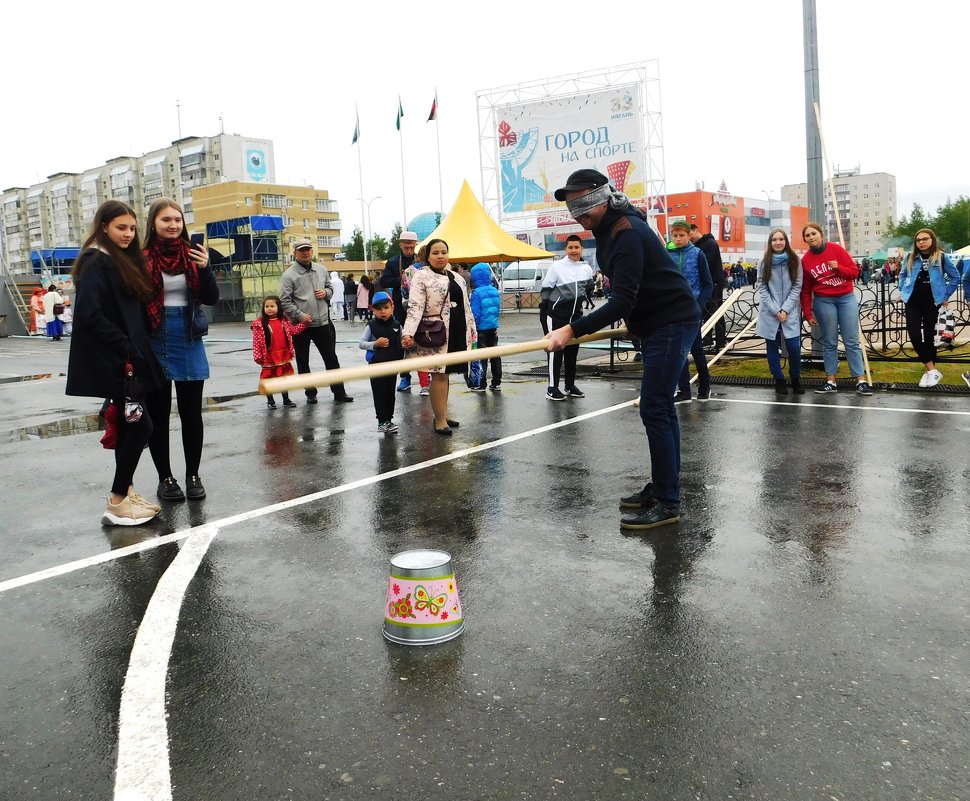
(143,772)
(146,545)
(836,406)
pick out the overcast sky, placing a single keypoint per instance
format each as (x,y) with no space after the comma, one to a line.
(86,82)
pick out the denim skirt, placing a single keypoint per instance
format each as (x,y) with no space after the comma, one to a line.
(181,358)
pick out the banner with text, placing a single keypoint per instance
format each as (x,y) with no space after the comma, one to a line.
(542,141)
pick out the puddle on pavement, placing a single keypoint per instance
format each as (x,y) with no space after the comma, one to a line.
(17,379)
(85,424)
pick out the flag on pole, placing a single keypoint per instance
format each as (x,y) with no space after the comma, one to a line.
(400,112)
(356,131)
(434,108)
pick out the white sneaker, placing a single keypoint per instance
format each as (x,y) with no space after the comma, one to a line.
(924,380)
(933,377)
(127,513)
(966,377)
(425,391)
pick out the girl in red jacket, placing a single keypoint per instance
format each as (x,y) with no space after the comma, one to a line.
(273,345)
(828,297)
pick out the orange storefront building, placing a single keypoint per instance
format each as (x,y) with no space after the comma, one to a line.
(740,225)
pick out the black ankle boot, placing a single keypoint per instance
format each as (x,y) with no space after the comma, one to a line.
(781,388)
(796,386)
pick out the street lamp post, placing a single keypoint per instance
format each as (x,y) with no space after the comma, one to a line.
(366,234)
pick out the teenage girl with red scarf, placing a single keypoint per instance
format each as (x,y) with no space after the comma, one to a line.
(181,280)
(273,345)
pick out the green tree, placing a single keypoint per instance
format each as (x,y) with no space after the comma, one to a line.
(952,223)
(907,227)
(354,250)
(395,248)
(377,248)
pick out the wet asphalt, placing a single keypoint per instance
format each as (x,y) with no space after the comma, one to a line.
(803,633)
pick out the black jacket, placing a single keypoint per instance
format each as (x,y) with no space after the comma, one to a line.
(708,244)
(110,327)
(648,290)
(391,282)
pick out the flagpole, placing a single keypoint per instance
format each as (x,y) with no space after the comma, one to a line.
(400,134)
(360,173)
(437,136)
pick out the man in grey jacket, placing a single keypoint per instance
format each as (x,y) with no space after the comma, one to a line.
(305,292)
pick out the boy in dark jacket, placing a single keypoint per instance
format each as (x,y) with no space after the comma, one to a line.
(382,341)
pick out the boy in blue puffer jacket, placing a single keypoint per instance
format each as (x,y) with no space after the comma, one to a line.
(485,303)
(693,264)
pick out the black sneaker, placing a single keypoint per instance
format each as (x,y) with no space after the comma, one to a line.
(682,397)
(169,490)
(642,499)
(477,388)
(781,388)
(863,388)
(312,400)
(288,404)
(270,404)
(194,488)
(555,394)
(827,388)
(796,387)
(660,514)
(704,394)
(345,398)
(496,387)
(573,392)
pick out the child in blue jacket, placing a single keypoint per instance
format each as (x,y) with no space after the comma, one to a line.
(485,303)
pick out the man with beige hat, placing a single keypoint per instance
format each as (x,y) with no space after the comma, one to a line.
(391,283)
(305,292)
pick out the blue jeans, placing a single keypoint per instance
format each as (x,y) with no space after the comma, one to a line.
(837,315)
(700,364)
(794,346)
(664,356)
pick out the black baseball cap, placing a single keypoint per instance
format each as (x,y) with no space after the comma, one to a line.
(582,179)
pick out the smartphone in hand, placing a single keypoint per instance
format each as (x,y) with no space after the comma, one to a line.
(197,241)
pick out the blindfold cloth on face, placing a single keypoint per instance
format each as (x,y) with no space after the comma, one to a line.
(604,194)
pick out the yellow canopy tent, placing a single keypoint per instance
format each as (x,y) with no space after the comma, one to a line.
(474,236)
(961,252)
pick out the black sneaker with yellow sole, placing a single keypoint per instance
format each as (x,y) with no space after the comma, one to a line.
(639,500)
(660,514)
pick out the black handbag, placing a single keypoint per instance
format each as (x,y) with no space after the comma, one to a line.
(200,323)
(431,333)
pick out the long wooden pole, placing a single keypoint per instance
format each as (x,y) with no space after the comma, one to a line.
(344,375)
(720,312)
(838,224)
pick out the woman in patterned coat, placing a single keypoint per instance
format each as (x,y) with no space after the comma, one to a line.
(436,292)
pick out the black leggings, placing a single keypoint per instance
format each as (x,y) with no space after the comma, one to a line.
(132,438)
(921,315)
(188,395)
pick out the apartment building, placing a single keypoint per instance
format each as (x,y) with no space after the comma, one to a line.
(865,204)
(47,222)
(306,212)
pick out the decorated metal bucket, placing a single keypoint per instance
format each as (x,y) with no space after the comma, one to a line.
(422,599)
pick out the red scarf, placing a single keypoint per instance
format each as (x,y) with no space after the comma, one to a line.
(172,258)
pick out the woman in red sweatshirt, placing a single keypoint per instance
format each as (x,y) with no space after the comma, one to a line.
(828,296)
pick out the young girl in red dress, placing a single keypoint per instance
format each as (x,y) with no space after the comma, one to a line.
(273,345)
